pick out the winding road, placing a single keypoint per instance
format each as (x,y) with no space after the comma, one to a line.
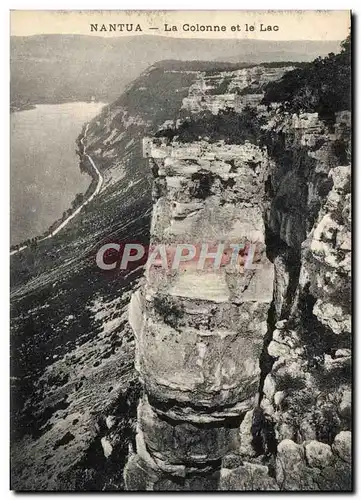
(79,209)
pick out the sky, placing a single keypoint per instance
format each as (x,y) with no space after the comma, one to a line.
(292,25)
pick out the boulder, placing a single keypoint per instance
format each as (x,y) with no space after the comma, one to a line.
(342,446)
(318,454)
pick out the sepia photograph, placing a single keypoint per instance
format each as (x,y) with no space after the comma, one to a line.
(180,251)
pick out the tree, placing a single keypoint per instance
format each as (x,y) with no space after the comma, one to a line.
(78,200)
(322,86)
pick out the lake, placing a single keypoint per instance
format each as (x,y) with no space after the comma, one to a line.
(44,167)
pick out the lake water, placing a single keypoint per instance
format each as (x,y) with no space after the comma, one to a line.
(44,168)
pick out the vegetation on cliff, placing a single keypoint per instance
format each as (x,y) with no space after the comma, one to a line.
(227,125)
(71,350)
(323,85)
(66,314)
(57,68)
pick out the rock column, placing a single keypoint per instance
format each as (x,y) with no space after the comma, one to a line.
(199,331)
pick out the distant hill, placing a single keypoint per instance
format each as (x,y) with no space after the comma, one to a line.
(258,51)
(58,68)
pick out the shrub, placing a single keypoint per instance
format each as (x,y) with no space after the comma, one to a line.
(323,85)
(227,125)
(222,88)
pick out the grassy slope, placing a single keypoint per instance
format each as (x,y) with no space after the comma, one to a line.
(67,316)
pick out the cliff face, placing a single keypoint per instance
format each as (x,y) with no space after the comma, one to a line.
(55,68)
(245,372)
(307,391)
(74,387)
(201,332)
(246,375)
(231,89)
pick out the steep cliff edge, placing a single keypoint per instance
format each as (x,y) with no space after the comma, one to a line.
(199,330)
(239,167)
(276,415)
(74,387)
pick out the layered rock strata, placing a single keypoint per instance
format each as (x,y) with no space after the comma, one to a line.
(231,89)
(226,404)
(307,391)
(199,331)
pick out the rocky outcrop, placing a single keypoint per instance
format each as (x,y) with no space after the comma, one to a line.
(264,353)
(231,89)
(72,351)
(245,372)
(307,392)
(201,332)
(313,466)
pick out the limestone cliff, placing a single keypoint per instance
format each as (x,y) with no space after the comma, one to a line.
(246,375)
(199,369)
(245,372)
(74,387)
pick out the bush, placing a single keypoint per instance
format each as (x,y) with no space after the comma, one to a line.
(222,88)
(227,125)
(322,86)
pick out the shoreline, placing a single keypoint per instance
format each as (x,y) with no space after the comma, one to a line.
(97,177)
(15,108)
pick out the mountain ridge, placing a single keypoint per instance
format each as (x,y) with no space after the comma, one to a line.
(81,402)
(60,68)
